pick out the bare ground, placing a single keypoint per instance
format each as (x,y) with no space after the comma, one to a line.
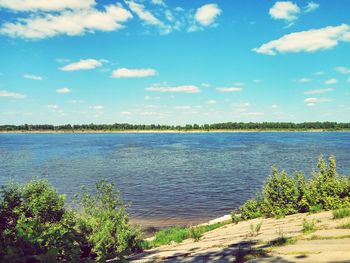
(279,240)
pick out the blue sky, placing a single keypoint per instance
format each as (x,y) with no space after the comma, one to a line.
(174,62)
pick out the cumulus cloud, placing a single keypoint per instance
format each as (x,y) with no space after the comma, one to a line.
(206,14)
(32,77)
(229,89)
(176,89)
(45,5)
(211,102)
(318,91)
(133,73)
(83,64)
(331,81)
(63,90)
(68,22)
(343,70)
(307,41)
(285,10)
(13,95)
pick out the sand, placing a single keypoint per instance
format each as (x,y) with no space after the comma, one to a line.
(235,243)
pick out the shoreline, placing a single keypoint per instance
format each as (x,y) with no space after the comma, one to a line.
(164,131)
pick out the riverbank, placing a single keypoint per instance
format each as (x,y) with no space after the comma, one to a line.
(277,240)
(166,131)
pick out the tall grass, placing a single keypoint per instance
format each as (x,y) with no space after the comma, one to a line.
(341,213)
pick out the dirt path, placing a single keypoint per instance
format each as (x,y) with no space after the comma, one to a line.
(279,240)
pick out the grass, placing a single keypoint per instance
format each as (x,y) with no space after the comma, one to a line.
(345,225)
(282,241)
(177,234)
(341,213)
(255,229)
(316,237)
(309,226)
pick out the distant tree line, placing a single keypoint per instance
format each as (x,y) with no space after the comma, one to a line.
(216,126)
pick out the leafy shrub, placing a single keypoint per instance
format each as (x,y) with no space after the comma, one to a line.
(251,209)
(35,225)
(284,195)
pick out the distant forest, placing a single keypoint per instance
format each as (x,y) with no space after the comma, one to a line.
(329,126)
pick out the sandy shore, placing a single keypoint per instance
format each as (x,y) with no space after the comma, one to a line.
(236,242)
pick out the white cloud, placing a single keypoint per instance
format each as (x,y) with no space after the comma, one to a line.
(229,89)
(318,91)
(303,80)
(126,113)
(63,90)
(147,16)
(46,5)
(52,106)
(158,2)
(133,73)
(211,102)
(205,85)
(177,89)
(319,73)
(331,81)
(343,70)
(83,64)
(307,41)
(206,14)
(72,23)
(274,106)
(285,10)
(9,94)
(316,100)
(311,6)
(97,107)
(32,77)
(256,80)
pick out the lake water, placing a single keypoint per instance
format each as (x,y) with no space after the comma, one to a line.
(168,177)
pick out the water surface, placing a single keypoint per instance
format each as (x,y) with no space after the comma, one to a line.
(176,177)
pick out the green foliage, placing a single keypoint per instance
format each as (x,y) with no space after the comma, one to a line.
(35,225)
(235,217)
(177,234)
(172,234)
(289,126)
(284,195)
(341,213)
(251,209)
(196,233)
(309,226)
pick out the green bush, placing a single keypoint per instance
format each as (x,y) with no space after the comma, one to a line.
(36,226)
(284,195)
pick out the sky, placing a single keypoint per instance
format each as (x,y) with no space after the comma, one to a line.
(174,62)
